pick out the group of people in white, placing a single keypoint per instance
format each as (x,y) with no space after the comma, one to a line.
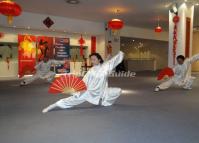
(96,80)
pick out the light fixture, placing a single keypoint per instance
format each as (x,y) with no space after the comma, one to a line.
(72,1)
(174,9)
(115,23)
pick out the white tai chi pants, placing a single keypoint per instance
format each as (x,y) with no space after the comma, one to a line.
(108,100)
(48,76)
(186,84)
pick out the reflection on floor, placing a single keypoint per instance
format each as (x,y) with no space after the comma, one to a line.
(139,115)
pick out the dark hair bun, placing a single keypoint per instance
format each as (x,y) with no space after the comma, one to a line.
(99,57)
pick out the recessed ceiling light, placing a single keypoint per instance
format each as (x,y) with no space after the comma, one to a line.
(72,1)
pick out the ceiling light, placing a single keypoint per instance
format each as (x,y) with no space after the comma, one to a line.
(174,9)
(72,1)
(197,4)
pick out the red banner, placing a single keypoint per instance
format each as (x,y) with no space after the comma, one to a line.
(44,47)
(188,35)
(26,54)
(93,44)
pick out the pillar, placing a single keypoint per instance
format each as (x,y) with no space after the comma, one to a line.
(184,32)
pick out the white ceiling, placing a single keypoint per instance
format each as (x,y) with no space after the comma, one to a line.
(138,13)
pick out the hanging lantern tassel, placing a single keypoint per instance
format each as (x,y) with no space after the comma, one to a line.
(81,50)
(81,42)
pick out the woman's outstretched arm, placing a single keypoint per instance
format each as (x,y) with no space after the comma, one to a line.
(193,59)
(113,62)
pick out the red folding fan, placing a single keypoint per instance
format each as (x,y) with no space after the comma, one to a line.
(165,72)
(67,84)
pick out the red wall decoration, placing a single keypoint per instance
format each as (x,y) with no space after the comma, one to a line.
(26,54)
(176,19)
(44,47)
(187,41)
(81,42)
(93,44)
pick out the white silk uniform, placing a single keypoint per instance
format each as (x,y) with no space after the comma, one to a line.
(43,71)
(181,76)
(96,80)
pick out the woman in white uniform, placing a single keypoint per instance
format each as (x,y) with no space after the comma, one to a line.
(96,80)
(181,76)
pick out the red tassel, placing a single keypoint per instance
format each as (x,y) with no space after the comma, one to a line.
(81,50)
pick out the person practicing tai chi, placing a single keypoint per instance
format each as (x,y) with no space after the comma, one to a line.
(181,76)
(96,80)
(43,71)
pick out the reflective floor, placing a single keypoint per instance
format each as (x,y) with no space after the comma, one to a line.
(139,115)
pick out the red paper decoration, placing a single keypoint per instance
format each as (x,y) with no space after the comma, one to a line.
(93,44)
(81,42)
(10,9)
(158,29)
(115,24)
(26,55)
(48,22)
(176,19)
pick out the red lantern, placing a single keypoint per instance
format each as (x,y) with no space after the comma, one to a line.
(81,42)
(10,9)
(115,24)
(176,19)
(158,29)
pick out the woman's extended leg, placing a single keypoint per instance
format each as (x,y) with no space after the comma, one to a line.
(65,103)
(110,97)
(165,85)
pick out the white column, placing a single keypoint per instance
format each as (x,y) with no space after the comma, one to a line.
(184,11)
